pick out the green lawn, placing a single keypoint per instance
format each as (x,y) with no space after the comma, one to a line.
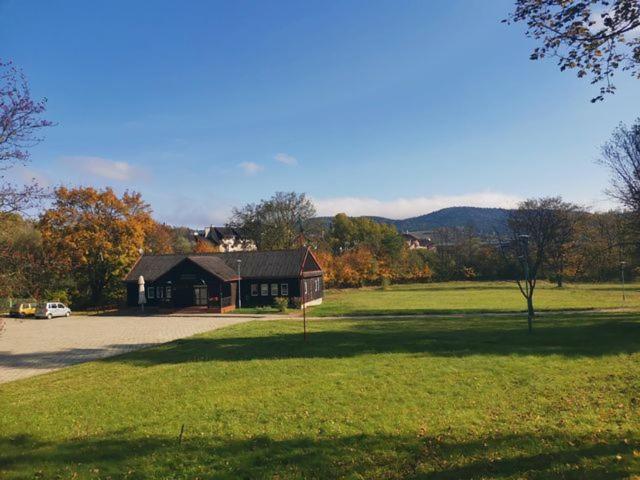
(362,399)
(450,297)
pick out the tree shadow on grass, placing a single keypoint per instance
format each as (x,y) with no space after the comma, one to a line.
(123,455)
(588,336)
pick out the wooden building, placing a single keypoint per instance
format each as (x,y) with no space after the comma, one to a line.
(218,281)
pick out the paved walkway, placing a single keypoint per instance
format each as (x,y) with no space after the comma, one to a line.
(31,347)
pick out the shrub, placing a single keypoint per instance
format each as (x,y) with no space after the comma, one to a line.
(57,296)
(281,304)
(385,283)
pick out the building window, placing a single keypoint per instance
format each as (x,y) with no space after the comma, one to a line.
(160,292)
(168,292)
(274,289)
(284,289)
(264,289)
(151,292)
(305,287)
(254,289)
(317,284)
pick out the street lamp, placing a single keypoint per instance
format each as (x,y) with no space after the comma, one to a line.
(239,285)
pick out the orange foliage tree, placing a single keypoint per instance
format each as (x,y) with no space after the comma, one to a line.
(94,237)
(158,239)
(202,246)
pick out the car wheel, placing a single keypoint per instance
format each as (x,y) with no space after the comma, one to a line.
(49,316)
(67,314)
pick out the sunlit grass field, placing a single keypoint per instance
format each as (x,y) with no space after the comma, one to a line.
(455,297)
(452,398)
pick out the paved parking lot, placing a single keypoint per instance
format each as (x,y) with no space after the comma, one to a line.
(30,347)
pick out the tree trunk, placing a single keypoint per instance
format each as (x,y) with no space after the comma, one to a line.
(530,312)
(559,280)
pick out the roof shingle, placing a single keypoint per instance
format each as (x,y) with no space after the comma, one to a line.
(253,264)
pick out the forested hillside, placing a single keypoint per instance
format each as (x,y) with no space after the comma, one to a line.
(485,221)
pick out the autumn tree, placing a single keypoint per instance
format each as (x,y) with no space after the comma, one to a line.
(203,246)
(593,37)
(159,238)
(276,223)
(23,273)
(20,123)
(621,154)
(94,237)
(563,241)
(602,241)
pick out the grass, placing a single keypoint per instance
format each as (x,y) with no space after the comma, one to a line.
(256,310)
(460,297)
(362,399)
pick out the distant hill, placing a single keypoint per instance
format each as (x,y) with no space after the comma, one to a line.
(486,221)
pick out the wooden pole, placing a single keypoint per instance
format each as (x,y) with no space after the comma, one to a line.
(304,310)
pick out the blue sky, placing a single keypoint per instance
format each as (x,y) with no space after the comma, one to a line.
(393,108)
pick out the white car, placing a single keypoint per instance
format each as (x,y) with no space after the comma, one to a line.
(52,309)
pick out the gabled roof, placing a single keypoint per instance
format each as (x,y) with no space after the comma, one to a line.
(215,266)
(153,266)
(253,264)
(217,235)
(266,264)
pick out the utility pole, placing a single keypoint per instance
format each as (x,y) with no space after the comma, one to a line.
(239,286)
(303,296)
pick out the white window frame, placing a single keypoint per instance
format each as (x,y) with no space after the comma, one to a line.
(254,289)
(264,289)
(151,293)
(284,289)
(168,293)
(274,291)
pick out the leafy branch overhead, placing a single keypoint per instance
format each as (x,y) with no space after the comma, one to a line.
(20,123)
(593,37)
(19,117)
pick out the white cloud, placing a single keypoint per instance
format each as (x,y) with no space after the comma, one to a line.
(25,175)
(191,212)
(105,168)
(400,208)
(286,159)
(251,168)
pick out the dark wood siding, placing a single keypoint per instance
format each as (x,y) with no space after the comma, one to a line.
(315,290)
(177,288)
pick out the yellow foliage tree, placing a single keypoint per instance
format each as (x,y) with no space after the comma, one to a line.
(94,237)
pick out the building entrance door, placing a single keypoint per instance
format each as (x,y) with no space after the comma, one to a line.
(200,295)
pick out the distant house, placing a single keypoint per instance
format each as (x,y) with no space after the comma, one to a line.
(415,242)
(211,281)
(225,239)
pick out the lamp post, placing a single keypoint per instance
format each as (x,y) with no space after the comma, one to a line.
(239,285)
(622,264)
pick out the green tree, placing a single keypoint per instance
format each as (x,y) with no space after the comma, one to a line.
(276,223)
